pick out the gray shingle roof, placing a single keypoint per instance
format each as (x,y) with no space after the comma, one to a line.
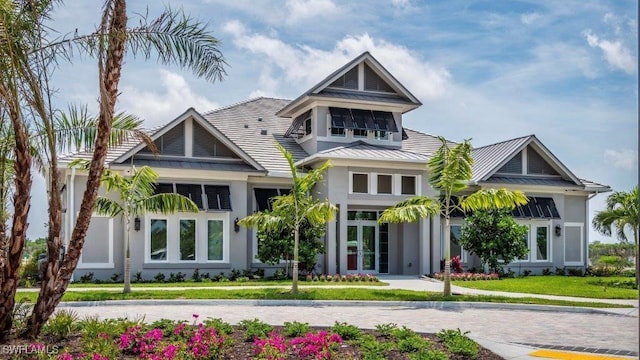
(254,127)
(487,158)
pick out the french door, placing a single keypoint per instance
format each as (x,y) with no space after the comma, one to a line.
(362,246)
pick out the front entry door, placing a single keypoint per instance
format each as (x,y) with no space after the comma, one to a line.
(362,247)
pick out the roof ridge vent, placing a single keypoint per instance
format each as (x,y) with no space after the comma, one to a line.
(246,126)
(263,132)
(260,118)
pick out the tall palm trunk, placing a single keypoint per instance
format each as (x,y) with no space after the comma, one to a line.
(127,256)
(447,256)
(21,204)
(114,23)
(296,239)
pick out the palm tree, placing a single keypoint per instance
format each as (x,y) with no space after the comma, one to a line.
(137,197)
(622,212)
(450,169)
(27,60)
(297,206)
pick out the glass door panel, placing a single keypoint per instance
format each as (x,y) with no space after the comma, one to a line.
(352,248)
(368,248)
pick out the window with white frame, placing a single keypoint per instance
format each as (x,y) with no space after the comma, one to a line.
(307,126)
(203,238)
(187,240)
(408,185)
(538,241)
(215,240)
(360,183)
(455,249)
(385,184)
(158,239)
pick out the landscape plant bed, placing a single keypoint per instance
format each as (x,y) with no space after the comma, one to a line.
(250,339)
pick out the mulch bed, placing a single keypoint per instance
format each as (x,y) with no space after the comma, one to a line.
(245,350)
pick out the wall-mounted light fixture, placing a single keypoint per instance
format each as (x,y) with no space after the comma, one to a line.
(558,230)
(236,226)
(136,224)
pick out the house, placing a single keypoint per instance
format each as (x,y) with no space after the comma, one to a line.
(227,163)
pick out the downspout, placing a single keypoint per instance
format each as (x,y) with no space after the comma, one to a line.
(70,210)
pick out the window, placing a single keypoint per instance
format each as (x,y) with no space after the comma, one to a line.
(537,165)
(218,197)
(408,185)
(187,240)
(307,126)
(513,166)
(542,243)
(357,133)
(385,184)
(373,82)
(207,145)
(360,183)
(338,132)
(380,135)
(171,143)
(192,191)
(265,196)
(158,230)
(347,81)
(215,240)
(362,119)
(455,249)
(525,240)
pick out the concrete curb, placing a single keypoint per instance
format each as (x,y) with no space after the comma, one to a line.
(440,305)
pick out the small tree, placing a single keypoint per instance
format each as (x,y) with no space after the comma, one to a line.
(299,205)
(494,236)
(277,244)
(137,197)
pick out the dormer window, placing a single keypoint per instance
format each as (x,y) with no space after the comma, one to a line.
(307,126)
(373,82)
(361,123)
(347,81)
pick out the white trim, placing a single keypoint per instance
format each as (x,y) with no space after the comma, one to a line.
(415,185)
(564,243)
(465,254)
(351,174)
(109,264)
(532,241)
(224,217)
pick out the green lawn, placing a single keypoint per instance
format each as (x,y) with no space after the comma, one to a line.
(590,287)
(261,283)
(305,294)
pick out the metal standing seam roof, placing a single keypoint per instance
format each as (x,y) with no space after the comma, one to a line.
(364,151)
(523,180)
(487,158)
(422,143)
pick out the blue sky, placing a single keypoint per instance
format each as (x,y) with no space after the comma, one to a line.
(566,71)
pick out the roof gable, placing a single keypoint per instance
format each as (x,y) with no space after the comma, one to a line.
(361,79)
(221,146)
(505,158)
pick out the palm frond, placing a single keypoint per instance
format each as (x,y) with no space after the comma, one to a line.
(412,209)
(261,220)
(166,203)
(108,207)
(493,199)
(451,167)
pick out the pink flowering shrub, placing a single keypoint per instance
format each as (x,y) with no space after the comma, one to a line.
(321,345)
(274,347)
(467,276)
(339,278)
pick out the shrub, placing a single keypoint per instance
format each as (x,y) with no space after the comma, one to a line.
(176,278)
(196,276)
(137,277)
(115,277)
(386,330)
(456,264)
(255,329)
(61,324)
(546,272)
(468,276)
(272,348)
(459,343)
(223,328)
(159,277)
(321,345)
(88,277)
(346,331)
(371,348)
(295,328)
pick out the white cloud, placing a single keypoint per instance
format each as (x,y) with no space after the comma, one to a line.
(403,5)
(615,53)
(625,159)
(159,106)
(304,66)
(530,18)
(300,10)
